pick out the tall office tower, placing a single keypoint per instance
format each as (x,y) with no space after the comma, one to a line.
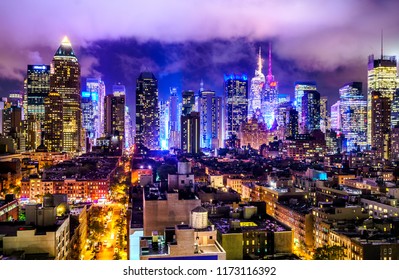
(336,116)
(380,124)
(164,115)
(270,97)
(65,79)
(11,125)
(128,128)
(323,114)
(210,107)
(256,91)
(382,77)
(236,96)
(114,118)
(88,114)
(53,126)
(96,88)
(188,102)
(292,123)
(300,88)
(281,113)
(190,133)
(353,112)
(311,110)
(395,109)
(37,89)
(147,111)
(174,120)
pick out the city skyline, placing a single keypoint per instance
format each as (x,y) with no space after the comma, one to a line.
(185,55)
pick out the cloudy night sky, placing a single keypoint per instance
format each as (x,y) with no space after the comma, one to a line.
(182,42)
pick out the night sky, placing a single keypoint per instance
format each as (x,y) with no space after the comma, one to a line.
(182,42)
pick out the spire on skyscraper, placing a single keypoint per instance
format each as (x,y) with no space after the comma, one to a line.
(260,61)
(65,49)
(269,73)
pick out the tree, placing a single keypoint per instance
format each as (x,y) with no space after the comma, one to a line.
(329,253)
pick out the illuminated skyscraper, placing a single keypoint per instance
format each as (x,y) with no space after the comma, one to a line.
(37,89)
(174,119)
(164,115)
(292,123)
(353,110)
(336,116)
(270,97)
(324,120)
(300,87)
(256,92)
(190,133)
(210,113)
(114,121)
(188,102)
(128,128)
(65,79)
(53,125)
(236,96)
(395,109)
(380,124)
(382,77)
(147,111)
(311,110)
(96,88)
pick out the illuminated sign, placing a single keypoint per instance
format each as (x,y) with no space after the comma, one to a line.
(273,84)
(40,67)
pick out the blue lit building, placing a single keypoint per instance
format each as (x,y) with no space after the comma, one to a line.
(300,88)
(210,112)
(353,110)
(236,100)
(37,89)
(311,110)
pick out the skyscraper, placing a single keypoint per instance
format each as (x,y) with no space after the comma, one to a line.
(174,119)
(164,115)
(311,110)
(96,88)
(188,102)
(382,77)
(190,133)
(147,111)
(353,111)
(336,116)
(292,123)
(380,124)
(128,128)
(270,97)
(210,109)
(236,95)
(324,120)
(395,109)
(114,120)
(37,89)
(300,87)
(256,91)
(65,80)
(53,125)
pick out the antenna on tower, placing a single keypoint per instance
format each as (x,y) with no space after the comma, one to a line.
(382,44)
(270,59)
(260,60)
